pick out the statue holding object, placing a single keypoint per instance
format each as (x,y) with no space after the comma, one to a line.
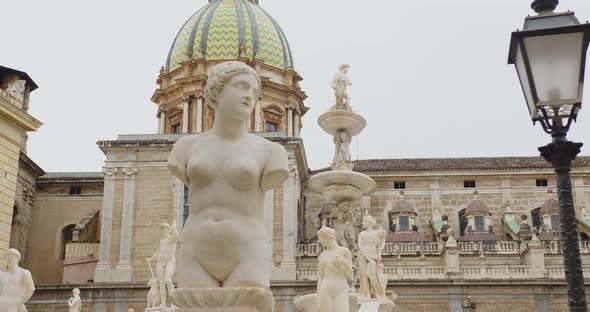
(340,84)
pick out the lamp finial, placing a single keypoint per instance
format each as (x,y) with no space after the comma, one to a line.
(544,6)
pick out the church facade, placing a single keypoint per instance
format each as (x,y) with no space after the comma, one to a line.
(94,230)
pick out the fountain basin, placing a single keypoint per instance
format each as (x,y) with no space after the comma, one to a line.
(341,185)
(342,120)
(308,303)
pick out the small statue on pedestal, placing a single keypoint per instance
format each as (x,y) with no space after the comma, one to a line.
(342,154)
(75,303)
(371,243)
(340,83)
(165,261)
(334,272)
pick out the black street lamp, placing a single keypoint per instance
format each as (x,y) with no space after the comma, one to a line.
(550,58)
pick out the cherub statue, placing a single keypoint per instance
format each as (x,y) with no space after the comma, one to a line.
(165,259)
(16,284)
(339,84)
(342,154)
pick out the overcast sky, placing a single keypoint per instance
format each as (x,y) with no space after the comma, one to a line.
(430,76)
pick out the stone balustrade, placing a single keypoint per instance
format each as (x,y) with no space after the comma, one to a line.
(467,272)
(418,248)
(555,247)
(309,250)
(81,250)
(495,248)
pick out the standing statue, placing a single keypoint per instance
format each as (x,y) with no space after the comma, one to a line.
(334,272)
(75,303)
(342,154)
(16,284)
(165,259)
(340,84)
(371,242)
(227,171)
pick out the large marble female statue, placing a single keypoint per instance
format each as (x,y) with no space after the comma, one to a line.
(16,284)
(370,243)
(227,171)
(334,272)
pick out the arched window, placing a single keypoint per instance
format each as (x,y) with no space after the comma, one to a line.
(462,222)
(67,234)
(536,218)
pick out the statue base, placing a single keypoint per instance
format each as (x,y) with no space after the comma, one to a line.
(308,303)
(229,299)
(164,309)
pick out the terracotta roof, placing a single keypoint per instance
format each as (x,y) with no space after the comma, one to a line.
(405,236)
(403,206)
(387,166)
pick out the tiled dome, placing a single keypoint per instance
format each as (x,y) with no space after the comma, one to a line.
(476,206)
(550,206)
(227,29)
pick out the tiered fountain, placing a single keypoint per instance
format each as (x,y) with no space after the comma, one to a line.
(344,187)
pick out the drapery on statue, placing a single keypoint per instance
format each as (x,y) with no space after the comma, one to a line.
(340,83)
(334,272)
(16,284)
(227,171)
(75,303)
(371,242)
(165,259)
(342,154)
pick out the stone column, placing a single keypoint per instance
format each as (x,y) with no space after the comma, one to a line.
(257,115)
(102,272)
(289,122)
(288,267)
(159,123)
(296,125)
(199,117)
(185,114)
(124,266)
(162,122)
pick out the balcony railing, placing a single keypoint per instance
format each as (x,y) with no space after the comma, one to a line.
(81,250)
(467,272)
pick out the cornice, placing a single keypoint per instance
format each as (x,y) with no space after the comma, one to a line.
(17,117)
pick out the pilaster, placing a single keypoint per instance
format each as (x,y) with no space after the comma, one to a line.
(102,272)
(199,118)
(123,270)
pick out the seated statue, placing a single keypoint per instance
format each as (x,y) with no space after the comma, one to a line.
(227,171)
(16,284)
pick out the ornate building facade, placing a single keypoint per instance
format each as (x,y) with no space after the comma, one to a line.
(457,227)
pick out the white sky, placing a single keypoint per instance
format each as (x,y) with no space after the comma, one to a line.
(430,76)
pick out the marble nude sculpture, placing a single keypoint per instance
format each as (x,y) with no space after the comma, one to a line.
(165,259)
(371,242)
(75,303)
(227,171)
(340,84)
(334,272)
(16,284)
(342,154)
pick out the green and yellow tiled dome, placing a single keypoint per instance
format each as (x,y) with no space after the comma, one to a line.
(224,29)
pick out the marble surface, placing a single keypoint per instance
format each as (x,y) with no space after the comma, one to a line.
(234,299)
(16,284)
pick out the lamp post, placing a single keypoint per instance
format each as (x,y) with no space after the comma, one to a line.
(550,57)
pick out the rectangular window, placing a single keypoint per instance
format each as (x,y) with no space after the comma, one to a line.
(469,183)
(556,222)
(75,190)
(404,223)
(541,182)
(480,223)
(271,127)
(399,185)
(185,206)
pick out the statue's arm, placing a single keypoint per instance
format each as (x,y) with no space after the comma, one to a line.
(348,269)
(29,286)
(178,160)
(174,231)
(276,169)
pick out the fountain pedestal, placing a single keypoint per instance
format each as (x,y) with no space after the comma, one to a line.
(227,299)
(308,303)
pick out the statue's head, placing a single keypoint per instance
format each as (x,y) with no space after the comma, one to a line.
(369,222)
(12,257)
(326,234)
(344,68)
(164,229)
(76,291)
(233,88)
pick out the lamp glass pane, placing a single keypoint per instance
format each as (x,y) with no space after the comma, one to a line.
(555,64)
(524,82)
